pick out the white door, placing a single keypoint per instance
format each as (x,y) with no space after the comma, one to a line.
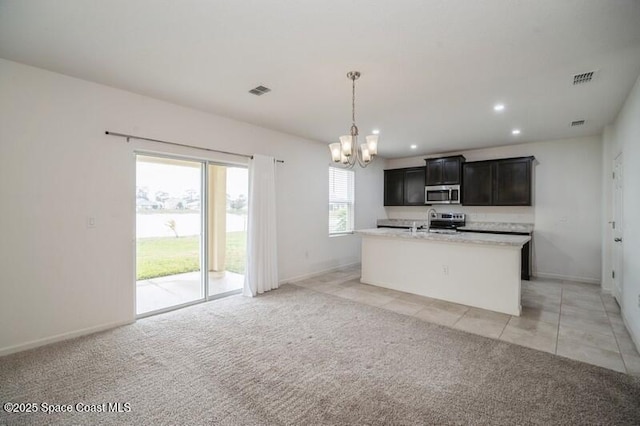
(618,226)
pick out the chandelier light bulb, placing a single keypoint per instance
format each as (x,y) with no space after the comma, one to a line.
(372,144)
(347,146)
(366,156)
(336,152)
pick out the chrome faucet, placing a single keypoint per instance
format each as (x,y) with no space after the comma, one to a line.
(429,213)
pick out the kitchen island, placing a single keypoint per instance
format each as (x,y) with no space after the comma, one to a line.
(474,269)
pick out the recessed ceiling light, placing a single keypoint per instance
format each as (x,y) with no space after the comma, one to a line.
(376,132)
(515,132)
(498,107)
(414,146)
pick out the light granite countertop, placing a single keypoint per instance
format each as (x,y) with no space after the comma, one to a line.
(498,227)
(460,237)
(470,226)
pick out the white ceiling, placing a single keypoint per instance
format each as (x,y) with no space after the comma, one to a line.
(431,69)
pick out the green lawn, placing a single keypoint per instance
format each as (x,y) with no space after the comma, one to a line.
(159,257)
(236,251)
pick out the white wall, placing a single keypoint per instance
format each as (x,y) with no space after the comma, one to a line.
(566,207)
(59,278)
(624,137)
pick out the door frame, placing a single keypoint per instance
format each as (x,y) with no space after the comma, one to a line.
(617,248)
(204,231)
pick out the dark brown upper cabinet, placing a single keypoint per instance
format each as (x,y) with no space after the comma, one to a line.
(477,187)
(404,187)
(512,185)
(444,171)
(414,186)
(394,187)
(505,182)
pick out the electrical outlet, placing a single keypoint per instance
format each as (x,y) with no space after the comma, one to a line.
(445,269)
(91,222)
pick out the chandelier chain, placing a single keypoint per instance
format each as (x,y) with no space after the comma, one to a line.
(353,101)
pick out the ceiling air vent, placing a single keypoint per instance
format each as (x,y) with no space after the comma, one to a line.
(577,123)
(260,90)
(585,77)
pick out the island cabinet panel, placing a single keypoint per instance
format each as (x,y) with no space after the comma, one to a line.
(414,186)
(394,187)
(512,182)
(482,270)
(525,263)
(477,186)
(505,182)
(444,171)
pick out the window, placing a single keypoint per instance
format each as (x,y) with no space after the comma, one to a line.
(341,201)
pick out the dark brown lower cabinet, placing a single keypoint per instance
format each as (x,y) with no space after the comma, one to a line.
(525,272)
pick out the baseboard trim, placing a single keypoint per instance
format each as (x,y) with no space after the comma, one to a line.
(566,277)
(60,337)
(316,273)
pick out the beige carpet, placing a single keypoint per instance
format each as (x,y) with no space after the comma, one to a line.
(322,360)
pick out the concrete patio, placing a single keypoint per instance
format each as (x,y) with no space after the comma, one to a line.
(163,292)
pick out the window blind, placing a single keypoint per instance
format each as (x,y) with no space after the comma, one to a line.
(341,200)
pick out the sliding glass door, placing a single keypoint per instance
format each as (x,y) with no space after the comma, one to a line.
(191,217)
(227,227)
(169,224)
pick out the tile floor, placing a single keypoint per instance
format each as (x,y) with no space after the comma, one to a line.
(570,319)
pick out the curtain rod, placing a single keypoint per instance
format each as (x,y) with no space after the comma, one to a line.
(123,135)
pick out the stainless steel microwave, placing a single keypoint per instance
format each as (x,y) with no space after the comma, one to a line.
(442,194)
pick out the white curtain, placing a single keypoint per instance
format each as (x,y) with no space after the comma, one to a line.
(262,259)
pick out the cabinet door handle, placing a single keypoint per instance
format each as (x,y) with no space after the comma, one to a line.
(617,240)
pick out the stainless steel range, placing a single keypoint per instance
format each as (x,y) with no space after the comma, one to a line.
(445,222)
